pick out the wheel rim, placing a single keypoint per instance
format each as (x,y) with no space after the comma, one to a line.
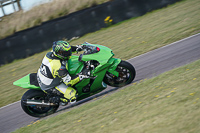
(122,79)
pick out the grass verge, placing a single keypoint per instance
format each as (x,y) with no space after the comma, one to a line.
(127,39)
(168,103)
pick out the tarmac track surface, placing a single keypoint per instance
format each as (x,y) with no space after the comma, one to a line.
(147,65)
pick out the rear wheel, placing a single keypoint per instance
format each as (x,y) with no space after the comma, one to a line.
(126,75)
(34,110)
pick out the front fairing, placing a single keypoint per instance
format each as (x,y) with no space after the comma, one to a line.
(74,66)
(102,56)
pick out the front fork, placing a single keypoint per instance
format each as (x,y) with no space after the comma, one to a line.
(115,62)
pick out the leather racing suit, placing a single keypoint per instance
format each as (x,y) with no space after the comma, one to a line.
(53,74)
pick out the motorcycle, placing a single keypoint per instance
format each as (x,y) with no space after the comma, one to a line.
(103,70)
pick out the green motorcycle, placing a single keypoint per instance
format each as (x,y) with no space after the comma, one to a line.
(104,70)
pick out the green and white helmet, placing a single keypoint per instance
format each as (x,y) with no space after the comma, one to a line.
(62,49)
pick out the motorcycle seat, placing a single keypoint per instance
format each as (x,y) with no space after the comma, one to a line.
(33,79)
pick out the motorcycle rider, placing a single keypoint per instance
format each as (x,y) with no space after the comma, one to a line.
(53,76)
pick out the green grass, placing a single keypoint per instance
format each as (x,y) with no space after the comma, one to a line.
(127,39)
(148,32)
(168,103)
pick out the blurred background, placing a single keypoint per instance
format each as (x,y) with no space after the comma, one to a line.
(168,103)
(25,5)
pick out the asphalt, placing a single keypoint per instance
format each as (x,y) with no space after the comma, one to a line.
(147,65)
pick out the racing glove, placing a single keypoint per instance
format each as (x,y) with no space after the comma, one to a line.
(79,48)
(66,79)
(81,77)
(70,81)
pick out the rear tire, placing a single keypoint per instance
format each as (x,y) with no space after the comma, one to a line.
(36,111)
(126,75)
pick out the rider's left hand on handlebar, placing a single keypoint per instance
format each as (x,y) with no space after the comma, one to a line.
(79,48)
(83,77)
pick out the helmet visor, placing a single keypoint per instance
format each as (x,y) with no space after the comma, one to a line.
(64,54)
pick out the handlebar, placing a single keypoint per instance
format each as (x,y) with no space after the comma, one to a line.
(89,49)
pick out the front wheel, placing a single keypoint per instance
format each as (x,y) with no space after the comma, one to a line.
(34,110)
(126,75)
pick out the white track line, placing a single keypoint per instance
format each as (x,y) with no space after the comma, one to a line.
(9,105)
(132,58)
(166,45)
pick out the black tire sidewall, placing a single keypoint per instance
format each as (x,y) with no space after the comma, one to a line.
(129,66)
(33,93)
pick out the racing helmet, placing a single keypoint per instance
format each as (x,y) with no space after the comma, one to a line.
(62,49)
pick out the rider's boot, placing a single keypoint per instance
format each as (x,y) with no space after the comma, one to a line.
(63,101)
(54,95)
(65,96)
(71,95)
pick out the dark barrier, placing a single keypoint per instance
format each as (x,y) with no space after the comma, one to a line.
(28,42)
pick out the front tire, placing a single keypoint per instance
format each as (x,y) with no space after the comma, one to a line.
(126,75)
(35,110)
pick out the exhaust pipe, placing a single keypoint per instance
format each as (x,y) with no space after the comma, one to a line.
(40,103)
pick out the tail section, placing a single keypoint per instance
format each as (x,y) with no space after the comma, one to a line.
(29,82)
